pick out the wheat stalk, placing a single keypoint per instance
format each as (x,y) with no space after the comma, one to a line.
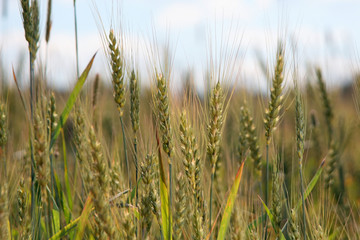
(328,113)
(3,127)
(276,198)
(300,139)
(117,67)
(163,105)
(273,110)
(134,115)
(214,135)
(76,41)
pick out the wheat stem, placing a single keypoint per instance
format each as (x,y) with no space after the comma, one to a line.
(125,150)
(300,138)
(76,41)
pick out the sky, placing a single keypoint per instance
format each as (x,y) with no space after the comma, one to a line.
(236,33)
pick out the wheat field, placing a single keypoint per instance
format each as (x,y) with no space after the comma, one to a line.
(127,161)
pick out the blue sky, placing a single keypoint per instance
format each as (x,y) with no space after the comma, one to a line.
(326,34)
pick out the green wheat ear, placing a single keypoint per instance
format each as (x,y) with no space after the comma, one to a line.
(117,67)
(273,110)
(215,125)
(249,133)
(328,112)
(134,101)
(31,21)
(163,109)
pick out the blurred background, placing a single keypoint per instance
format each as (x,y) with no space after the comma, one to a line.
(322,33)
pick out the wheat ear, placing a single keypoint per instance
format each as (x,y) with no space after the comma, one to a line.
(328,112)
(117,67)
(273,110)
(100,190)
(192,166)
(251,138)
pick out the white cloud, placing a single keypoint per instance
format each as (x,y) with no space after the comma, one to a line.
(180,15)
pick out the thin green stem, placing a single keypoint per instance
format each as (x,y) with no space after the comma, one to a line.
(267,175)
(267,185)
(136,180)
(76,41)
(33,188)
(170,198)
(136,170)
(125,150)
(210,202)
(32,81)
(49,217)
(303,200)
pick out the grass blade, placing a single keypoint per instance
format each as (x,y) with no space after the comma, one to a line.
(71,101)
(133,191)
(20,93)
(312,184)
(65,230)
(66,175)
(84,218)
(307,192)
(230,204)
(271,217)
(70,227)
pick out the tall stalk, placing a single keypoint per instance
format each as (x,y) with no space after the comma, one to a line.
(117,67)
(125,150)
(30,17)
(134,115)
(76,41)
(300,136)
(163,106)
(272,112)
(214,136)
